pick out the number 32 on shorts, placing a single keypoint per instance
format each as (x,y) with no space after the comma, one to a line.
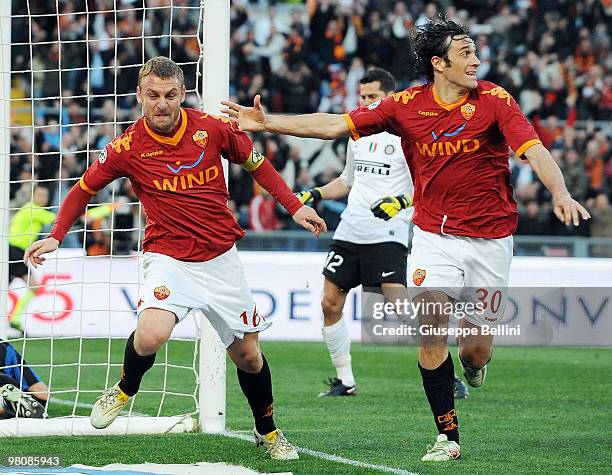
(333,260)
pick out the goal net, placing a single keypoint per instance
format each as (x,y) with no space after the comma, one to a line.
(68,79)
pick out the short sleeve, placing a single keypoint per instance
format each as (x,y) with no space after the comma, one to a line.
(373,119)
(514,126)
(109,166)
(348,174)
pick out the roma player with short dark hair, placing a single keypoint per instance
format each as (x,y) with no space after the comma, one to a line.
(172,157)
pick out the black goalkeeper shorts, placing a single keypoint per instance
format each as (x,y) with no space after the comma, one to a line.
(349,265)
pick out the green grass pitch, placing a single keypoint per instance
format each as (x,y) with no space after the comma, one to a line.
(542,410)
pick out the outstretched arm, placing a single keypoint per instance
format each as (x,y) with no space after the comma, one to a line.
(319,125)
(566,208)
(268,178)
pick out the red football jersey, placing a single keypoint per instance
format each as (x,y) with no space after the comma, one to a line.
(180,182)
(457,154)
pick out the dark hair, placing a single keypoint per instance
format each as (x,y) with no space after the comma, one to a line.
(386,79)
(434,39)
(161,67)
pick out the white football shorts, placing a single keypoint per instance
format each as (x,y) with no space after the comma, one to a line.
(467,269)
(217,287)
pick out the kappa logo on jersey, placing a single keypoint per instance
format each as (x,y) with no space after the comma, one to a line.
(154,153)
(499,92)
(161,292)
(404,96)
(124,141)
(102,155)
(200,138)
(374,105)
(186,167)
(467,111)
(419,276)
(428,113)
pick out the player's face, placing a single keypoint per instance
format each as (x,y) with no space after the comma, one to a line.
(161,100)
(41,196)
(370,92)
(463,63)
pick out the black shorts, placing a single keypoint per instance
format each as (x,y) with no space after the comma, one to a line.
(16,266)
(348,265)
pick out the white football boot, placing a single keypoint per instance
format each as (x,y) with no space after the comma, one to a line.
(108,406)
(474,377)
(442,451)
(276,445)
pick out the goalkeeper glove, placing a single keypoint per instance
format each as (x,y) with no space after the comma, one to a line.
(310,197)
(387,207)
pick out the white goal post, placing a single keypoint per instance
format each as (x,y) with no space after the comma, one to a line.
(96,295)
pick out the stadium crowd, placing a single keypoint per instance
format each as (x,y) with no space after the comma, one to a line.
(553,56)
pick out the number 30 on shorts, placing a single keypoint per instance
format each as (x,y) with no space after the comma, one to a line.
(490,302)
(333,260)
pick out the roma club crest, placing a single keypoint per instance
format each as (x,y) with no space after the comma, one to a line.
(161,292)
(200,138)
(419,276)
(467,110)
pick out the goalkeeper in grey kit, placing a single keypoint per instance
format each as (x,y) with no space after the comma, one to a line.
(370,244)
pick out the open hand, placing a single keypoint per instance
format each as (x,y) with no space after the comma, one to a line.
(249,119)
(569,210)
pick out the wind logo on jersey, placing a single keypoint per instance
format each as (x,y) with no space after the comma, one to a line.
(419,276)
(161,292)
(200,138)
(373,147)
(404,96)
(188,181)
(468,110)
(448,148)
(499,92)
(185,167)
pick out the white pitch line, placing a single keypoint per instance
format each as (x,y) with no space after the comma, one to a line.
(243,435)
(330,457)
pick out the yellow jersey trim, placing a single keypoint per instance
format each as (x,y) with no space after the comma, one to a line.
(351,126)
(176,138)
(448,105)
(523,148)
(86,188)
